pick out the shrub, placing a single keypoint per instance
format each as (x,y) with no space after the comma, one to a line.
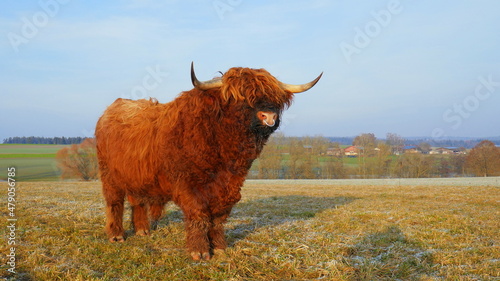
(79,161)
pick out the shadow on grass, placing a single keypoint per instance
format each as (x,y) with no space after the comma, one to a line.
(273,211)
(389,255)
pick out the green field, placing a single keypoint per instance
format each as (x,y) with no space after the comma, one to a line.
(36,162)
(30,148)
(33,162)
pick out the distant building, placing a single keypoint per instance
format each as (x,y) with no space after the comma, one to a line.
(352,151)
(333,151)
(411,149)
(447,150)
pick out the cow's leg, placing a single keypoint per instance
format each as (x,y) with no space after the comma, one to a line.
(140,218)
(216,233)
(155,213)
(194,205)
(114,198)
(197,228)
(197,239)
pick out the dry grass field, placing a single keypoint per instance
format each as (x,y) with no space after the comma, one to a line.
(281,230)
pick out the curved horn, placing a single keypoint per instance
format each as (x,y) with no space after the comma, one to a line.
(206,85)
(300,88)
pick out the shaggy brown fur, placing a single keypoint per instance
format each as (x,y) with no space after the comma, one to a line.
(195,151)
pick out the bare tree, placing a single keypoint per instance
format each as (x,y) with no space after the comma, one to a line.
(396,142)
(367,144)
(381,161)
(484,159)
(424,147)
(79,161)
(457,163)
(269,166)
(334,168)
(295,152)
(413,166)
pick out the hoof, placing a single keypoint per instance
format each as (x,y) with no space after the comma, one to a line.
(118,239)
(142,232)
(200,256)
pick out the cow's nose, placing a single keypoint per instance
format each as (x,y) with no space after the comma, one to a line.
(267,118)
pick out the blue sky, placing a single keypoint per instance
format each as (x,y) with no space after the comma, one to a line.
(415,68)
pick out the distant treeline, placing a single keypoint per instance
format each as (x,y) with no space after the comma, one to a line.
(467,143)
(455,142)
(44,140)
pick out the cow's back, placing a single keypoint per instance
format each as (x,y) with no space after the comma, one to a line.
(126,142)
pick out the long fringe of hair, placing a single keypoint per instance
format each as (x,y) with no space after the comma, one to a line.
(252,85)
